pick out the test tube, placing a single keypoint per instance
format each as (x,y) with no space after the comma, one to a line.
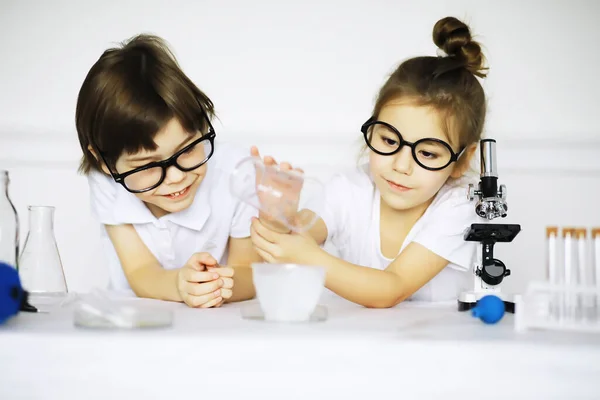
(552,254)
(552,270)
(569,273)
(596,261)
(596,257)
(584,273)
(581,258)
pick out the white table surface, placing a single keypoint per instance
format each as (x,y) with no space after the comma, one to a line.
(412,351)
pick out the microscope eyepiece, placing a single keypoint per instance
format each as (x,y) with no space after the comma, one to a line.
(491,197)
(487,149)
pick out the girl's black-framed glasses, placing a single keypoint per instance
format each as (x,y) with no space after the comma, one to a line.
(429,153)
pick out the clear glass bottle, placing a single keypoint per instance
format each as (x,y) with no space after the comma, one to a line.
(9,225)
(40,266)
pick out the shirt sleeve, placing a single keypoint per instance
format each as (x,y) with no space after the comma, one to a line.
(102,197)
(242,177)
(330,204)
(444,229)
(242,218)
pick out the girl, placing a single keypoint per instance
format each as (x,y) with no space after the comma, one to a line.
(398,220)
(158,183)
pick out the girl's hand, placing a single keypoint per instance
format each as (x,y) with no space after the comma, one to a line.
(278,192)
(276,247)
(201,283)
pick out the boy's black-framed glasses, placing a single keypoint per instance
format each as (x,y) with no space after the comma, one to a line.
(152,175)
(429,153)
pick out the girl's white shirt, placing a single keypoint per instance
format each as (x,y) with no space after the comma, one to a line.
(351,211)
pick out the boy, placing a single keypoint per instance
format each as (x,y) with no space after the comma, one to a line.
(158,183)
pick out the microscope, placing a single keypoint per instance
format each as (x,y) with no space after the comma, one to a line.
(488,272)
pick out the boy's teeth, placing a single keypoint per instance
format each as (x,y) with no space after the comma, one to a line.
(177,193)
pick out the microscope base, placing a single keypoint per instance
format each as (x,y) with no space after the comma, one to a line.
(468,300)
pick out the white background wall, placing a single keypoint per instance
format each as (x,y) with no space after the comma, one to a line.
(298,78)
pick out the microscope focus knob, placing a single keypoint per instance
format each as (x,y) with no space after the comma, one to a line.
(472,192)
(493,273)
(502,192)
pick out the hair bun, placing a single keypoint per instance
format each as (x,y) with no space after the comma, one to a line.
(453,37)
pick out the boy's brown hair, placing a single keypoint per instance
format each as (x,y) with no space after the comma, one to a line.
(129,94)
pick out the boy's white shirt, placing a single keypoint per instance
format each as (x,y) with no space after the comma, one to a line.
(205,226)
(350,209)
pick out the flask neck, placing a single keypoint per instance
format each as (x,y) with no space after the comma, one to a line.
(4,180)
(41,219)
(3,183)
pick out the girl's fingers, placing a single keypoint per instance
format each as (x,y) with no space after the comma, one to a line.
(265,256)
(264,236)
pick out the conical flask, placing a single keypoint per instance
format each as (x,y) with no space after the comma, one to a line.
(40,267)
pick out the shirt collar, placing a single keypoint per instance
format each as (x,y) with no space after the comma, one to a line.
(195,216)
(131,210)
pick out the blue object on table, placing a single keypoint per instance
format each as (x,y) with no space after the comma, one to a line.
(13,298)
(11,292)
(490,309)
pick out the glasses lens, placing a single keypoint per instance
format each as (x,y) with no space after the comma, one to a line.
(144,179)
(382,138)
(433,154)
(196,155)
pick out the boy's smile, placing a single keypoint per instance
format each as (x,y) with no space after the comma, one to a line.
(179,194)
(178,190)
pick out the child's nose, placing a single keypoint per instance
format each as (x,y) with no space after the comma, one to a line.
(403,161)
(174,175)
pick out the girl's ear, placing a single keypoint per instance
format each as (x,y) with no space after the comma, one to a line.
(99,161)
(464,161)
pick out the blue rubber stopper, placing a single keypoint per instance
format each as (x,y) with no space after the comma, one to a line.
(490,309)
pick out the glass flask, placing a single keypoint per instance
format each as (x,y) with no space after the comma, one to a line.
(40,267)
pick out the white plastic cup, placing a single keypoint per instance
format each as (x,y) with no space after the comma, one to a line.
(288,292)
